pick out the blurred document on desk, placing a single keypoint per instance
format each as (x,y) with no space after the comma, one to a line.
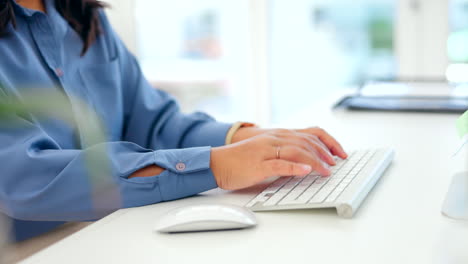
(435,97)
(414,89)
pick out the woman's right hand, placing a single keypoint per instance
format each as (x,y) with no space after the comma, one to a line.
(251,161)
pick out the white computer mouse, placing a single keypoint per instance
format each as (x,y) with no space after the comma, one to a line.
(206,217)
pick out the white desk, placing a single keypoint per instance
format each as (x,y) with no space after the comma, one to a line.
(399,222)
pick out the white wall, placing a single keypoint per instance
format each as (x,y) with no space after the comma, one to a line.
(121,15)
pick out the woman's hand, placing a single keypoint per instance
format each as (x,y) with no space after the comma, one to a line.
(320,134)
(271,153)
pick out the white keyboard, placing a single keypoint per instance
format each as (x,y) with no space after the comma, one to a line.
(345,189)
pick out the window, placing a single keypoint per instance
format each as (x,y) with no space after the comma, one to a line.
(199,53)
(321,46)
(457,44)
(263,60)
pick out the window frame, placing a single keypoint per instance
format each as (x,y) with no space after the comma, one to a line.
(421,33)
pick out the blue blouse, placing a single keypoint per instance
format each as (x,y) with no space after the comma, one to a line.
(43,177)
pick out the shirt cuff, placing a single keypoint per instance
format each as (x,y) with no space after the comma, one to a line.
(187,172)
(210,133)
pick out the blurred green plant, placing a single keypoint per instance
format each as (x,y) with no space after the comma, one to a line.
(381,33)
(56,105)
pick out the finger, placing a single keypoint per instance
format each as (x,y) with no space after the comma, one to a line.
(302,134)
(308,142)
(298,155)
(332,144)
(285,168)
(320,148)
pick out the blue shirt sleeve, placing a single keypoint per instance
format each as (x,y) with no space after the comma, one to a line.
(154,120)
(153,117)
(43,180)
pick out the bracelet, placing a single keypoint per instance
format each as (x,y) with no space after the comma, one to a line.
(236,126)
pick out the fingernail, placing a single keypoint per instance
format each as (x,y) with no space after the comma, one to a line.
(328,169)
(306,168)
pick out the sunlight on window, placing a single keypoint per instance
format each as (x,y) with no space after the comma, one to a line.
(321,46)
(198,53)
(457,42)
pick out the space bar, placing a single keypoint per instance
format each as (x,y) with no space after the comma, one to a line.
(273,188)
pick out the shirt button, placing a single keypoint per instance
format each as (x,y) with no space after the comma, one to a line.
(180,166)
(59,72)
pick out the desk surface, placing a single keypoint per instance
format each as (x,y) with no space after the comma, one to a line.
(399,222)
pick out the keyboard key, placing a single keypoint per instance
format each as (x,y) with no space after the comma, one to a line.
(321,181)
(339,175)
(283,191)
(260,198)
(331,198)
(309,180)
(275,199)
(293,195)
(292,183)
(308,194)
(346,181)
(269,191)
(335,194)
(276,185)
(319,197)
(333,182)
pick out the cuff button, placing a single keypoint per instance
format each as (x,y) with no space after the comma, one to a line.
(180,166)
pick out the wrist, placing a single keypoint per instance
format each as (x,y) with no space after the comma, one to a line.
(244,133)
(215,163)
(234,131)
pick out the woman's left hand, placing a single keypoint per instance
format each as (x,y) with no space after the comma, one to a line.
(314,133)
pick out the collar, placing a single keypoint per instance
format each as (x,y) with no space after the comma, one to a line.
(58,23)
(22,11)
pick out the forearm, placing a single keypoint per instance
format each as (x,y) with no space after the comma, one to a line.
(149,171)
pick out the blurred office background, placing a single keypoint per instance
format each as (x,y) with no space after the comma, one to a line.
(264,60)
